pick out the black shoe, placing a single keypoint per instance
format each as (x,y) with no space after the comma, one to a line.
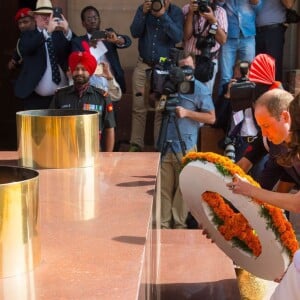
(191,222)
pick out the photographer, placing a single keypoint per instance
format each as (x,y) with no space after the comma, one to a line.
(205,30)
(192,111)
(158,26)
(108,46)
(45,51)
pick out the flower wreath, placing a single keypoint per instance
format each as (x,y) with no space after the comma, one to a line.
(230,222)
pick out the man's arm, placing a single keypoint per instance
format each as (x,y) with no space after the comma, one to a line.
(208,117)
(173,24)
(188,21)
(137,26)
(109,139)
(245,164)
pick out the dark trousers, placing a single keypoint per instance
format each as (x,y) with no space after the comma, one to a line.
(271,41)
(35,101)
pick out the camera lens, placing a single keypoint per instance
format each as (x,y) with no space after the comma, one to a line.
(230,152)
(156,5)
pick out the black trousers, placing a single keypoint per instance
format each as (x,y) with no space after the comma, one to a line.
(35,101)
(271,41)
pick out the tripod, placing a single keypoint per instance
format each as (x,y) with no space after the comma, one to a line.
(163,145)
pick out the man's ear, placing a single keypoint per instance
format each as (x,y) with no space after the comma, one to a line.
(286,116)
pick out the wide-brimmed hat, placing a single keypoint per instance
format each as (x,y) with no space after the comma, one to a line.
(43,7)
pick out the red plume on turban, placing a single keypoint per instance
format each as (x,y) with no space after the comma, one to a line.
(262,70)
(85,58)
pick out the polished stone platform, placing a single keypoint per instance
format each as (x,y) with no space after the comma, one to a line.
(192,267)
(96,231)
(99,239)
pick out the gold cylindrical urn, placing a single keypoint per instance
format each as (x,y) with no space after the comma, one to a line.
(20,249)
(57,138)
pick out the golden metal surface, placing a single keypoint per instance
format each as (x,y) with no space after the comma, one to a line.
(19,226)
(57,138)
(254,288)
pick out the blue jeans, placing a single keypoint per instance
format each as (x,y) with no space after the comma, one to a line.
(234,49)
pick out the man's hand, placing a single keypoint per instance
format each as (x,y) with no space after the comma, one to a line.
(147,6)
(181,112)
(113,38)
(209,16)
(106,72)
(193,7)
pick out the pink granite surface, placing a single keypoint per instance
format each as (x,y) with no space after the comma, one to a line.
(192,267)
(94,224)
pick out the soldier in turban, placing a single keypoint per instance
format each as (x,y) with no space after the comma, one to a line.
(82,95)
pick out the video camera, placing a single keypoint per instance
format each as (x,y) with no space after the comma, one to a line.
(168,79)
(242,92)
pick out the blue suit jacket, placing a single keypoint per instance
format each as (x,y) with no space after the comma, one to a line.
(111,55)
(32,48)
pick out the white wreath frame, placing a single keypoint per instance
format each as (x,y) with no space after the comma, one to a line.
(198,177)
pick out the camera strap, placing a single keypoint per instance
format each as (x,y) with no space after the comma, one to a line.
(197,23)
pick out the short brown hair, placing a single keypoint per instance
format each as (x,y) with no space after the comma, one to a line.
(276,101)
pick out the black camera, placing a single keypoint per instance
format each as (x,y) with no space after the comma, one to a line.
(203,5)
(168,78)
(57,12)
(206,43)
(157,5)
(242,92)
(99,35)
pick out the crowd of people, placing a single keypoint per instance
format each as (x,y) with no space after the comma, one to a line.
(59,69)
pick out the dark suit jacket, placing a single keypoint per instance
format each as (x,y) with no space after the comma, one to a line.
(111,55)
(32,48)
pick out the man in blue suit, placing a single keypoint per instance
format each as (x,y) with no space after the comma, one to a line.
(108,46)
(36,84)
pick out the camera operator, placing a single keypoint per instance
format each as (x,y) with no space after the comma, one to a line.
(200,17)
(157,32)
(192,111)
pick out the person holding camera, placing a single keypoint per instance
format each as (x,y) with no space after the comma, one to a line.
(158,26)
(240,42)
(205,30)
(45,53)
(107,42)
(192,111)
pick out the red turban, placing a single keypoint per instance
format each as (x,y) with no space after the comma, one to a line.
(85,58)
(22,13)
